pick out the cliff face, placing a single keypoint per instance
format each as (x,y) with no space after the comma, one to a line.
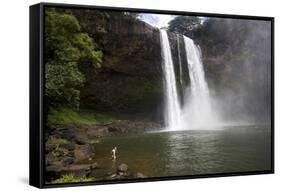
(130,79)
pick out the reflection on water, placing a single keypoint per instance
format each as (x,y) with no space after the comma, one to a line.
(188,152)
(192,152)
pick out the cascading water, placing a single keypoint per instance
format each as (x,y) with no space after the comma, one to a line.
(172,110)
(197,113)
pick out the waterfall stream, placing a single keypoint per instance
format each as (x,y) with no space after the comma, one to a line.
(196,113)
(172,109)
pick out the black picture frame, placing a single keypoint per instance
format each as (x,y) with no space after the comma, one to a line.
(37,81)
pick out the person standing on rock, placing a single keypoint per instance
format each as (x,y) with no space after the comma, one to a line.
(113,153)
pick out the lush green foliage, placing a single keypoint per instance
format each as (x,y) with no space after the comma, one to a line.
(66,116)
(185,25)
(70,178)
(67,50)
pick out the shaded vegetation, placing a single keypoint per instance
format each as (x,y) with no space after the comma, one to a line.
(65,116)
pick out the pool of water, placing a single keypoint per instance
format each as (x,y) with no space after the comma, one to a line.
(159,154)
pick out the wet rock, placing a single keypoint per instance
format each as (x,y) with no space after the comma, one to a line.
(112,129)
(50,158)
(140,175)
(81,137)
(92,132)
(67,132)
(68,146)
(115,176)
(121,173)
(95,165)
(79,170)
(122,168)
(55,168)
(49,147)
(68,160)
(84,152)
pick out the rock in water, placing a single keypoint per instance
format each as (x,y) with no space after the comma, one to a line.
(95,165)
(79,170)
(123,168)
(84,152)
(140,175)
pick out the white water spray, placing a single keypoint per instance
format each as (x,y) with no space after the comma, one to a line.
(197,113)
(172,110)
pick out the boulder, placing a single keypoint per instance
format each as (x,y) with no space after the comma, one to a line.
(123,168)
(79,170)
(96,131)
(140,175)
(116,176)
(84,152)
(81,137)
(50,158)
(68,160)
(95,165)
(112,129)
(55,168)
(68,146)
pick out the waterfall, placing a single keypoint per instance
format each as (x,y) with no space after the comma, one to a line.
(198,110)
(172,109)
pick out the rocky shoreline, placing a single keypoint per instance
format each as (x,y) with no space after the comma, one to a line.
(71,149)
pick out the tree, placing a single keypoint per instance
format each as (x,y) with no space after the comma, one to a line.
(185,25)
(66,48)
(131,15)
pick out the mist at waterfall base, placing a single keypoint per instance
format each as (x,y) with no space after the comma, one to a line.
(245,98)
(199,111)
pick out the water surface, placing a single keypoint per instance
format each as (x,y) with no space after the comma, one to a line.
(235,149)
